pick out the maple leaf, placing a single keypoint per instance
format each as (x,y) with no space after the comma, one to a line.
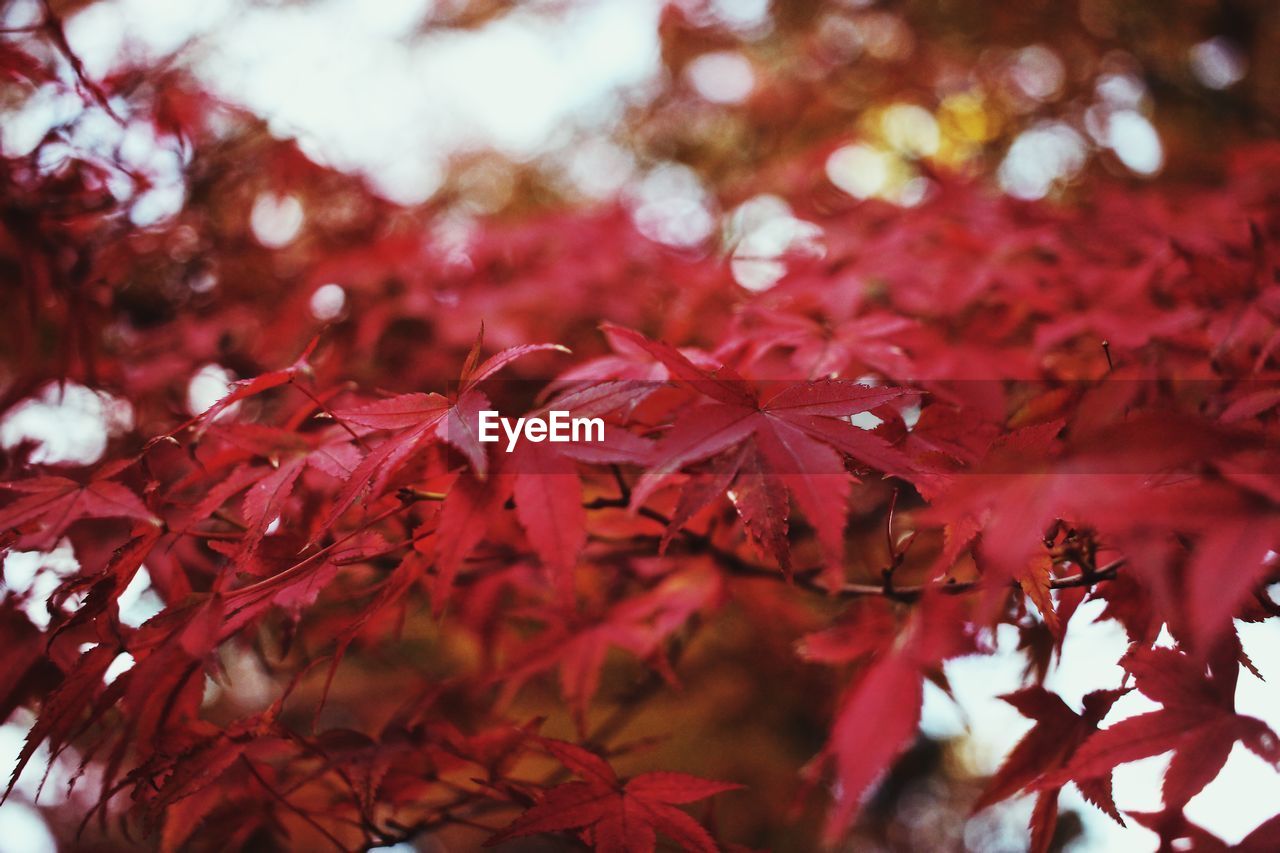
(56,503)
(793,439)
(245,388)
(421,418)
(103,588)
(618,816)
(548,494)
(1035,580)
(470,506)
(1049,745)
(1033,478)
(265,501)
(1264,838)
(63,709)
(867,628)
(1198,722)
(875,724)
(879,714)
(1176,833)
(547,488)
(578,644)
(267,488)
(1089,375)
(459,424)
(1228,564)
(873,340)
(293,588)
(25,651)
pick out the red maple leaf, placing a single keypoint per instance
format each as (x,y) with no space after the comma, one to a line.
(56,502)
(1049,745)
(1198,722)
(578,646)
(878,715)
(419,419)
(794,438)
(544,481)
(1179,835)
(617,816)
(243,389)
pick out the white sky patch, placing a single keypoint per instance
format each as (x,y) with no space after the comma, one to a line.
(1217,63)
(123,663)
(1239,799)
(723,77)
(54,793)
(23,830)
(994,726)
(22,128)
(860,170)
(940,717)
(1120,91)
(139,601)
(102,30)
(32,576)
(597,168)
(68,423)
(1243,795)
(397,104)
(1135,142)
(142,150)
(865,171)
(22,568)
(1040,159)
(276,219)
(401,847)
(865,420)
(670,206)
(740,15)
(1090,662)
(158,204)
(762,231)
(1037,72)
(210,384)
(328,302)
(86,131)
(407,179)
(911,129)
(21,13)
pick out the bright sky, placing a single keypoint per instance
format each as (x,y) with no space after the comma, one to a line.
(349,80)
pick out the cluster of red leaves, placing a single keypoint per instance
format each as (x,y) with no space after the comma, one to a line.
(1070,402)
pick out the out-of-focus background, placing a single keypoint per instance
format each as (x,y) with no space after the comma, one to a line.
(498,105)
(693,115)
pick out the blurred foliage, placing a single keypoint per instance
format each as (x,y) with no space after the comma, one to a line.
(824,75)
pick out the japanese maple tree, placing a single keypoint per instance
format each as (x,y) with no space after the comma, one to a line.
(961,415)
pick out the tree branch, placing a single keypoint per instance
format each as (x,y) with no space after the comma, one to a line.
(809,578)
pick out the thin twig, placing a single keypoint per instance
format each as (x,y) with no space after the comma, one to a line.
(291,807)
(324,407)
(809,578)
(57,34)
